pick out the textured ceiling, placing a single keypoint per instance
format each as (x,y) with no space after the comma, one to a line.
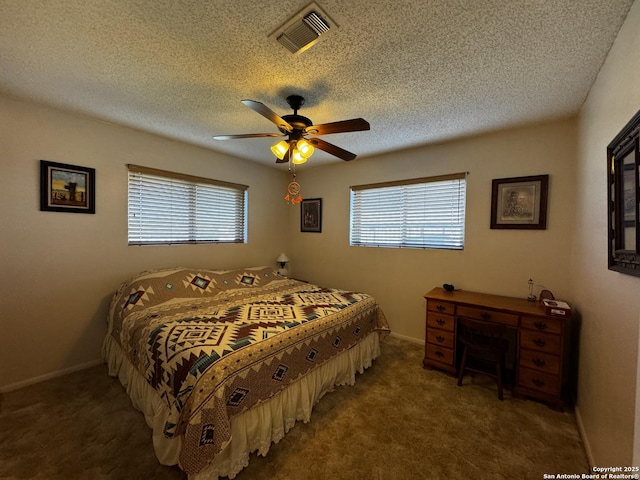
(419,71)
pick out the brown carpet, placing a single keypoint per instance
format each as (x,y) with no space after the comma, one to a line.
(398,422)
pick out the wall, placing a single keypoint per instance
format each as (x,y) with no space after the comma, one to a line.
(493,261)
(608,301)
(59,270)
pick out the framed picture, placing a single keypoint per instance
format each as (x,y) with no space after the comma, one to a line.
(519,202)
(311,215)
(67,188)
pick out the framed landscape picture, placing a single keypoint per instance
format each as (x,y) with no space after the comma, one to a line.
(67,188)
(519,202)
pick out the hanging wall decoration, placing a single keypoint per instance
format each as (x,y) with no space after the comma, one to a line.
(293,192)
(519,202)
(623,194)
(311,215)
(67,188)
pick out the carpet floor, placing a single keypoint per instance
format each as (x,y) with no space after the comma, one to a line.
(398,422)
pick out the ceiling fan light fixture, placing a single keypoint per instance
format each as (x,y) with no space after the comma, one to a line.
(280,149)
(297,158)
(305,148)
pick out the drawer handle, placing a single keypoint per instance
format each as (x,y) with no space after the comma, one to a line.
(440,338)
(538,362)
(440,321)
(540,325)
(439,354)
(485,316)
(537,382)
(540,342)
(441,308)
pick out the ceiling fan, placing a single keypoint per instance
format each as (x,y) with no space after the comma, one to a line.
(298,146)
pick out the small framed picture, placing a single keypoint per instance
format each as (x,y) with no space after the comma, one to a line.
(311,215)
(67,188)
(519,202)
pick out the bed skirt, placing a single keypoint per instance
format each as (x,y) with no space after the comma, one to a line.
(255,429)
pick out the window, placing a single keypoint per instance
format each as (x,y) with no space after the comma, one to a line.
(167,207)
(418,213)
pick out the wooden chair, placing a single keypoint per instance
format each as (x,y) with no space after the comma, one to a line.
(485,343)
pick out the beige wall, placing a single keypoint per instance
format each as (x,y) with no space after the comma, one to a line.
(493,261)
(608,301)
(59,270)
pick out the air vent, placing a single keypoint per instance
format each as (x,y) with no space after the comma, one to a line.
(316,22)
(303,30)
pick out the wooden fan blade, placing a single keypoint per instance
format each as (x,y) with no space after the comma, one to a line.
(353,125)
(332,149)
(247,135)
(269,114)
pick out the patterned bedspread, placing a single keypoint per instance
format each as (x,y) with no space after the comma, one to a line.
(215,343)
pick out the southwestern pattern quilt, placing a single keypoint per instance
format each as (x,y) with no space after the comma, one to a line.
(213,344)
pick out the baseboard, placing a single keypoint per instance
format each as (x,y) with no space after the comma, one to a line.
(32,381)
(583,435)
(408,339)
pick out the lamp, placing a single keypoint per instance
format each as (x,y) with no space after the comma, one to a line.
(282,261)
(531,297)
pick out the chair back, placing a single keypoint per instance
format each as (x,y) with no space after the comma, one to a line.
(484,341)
(479,334)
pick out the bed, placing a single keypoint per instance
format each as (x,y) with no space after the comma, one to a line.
(223,362)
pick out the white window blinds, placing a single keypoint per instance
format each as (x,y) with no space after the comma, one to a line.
(167,207)
(418,213)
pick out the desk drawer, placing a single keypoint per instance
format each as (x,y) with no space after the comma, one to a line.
(443,322)
(540,361)
(542,324)
(441,307)
(542,342)
(540,381)
(440,354)
(440,337)
(488,315)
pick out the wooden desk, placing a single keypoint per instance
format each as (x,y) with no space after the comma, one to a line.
(540,350)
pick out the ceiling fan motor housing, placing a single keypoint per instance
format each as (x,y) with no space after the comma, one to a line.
(295,102)
(298,122)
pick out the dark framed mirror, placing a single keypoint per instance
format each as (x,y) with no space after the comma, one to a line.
(623,160)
